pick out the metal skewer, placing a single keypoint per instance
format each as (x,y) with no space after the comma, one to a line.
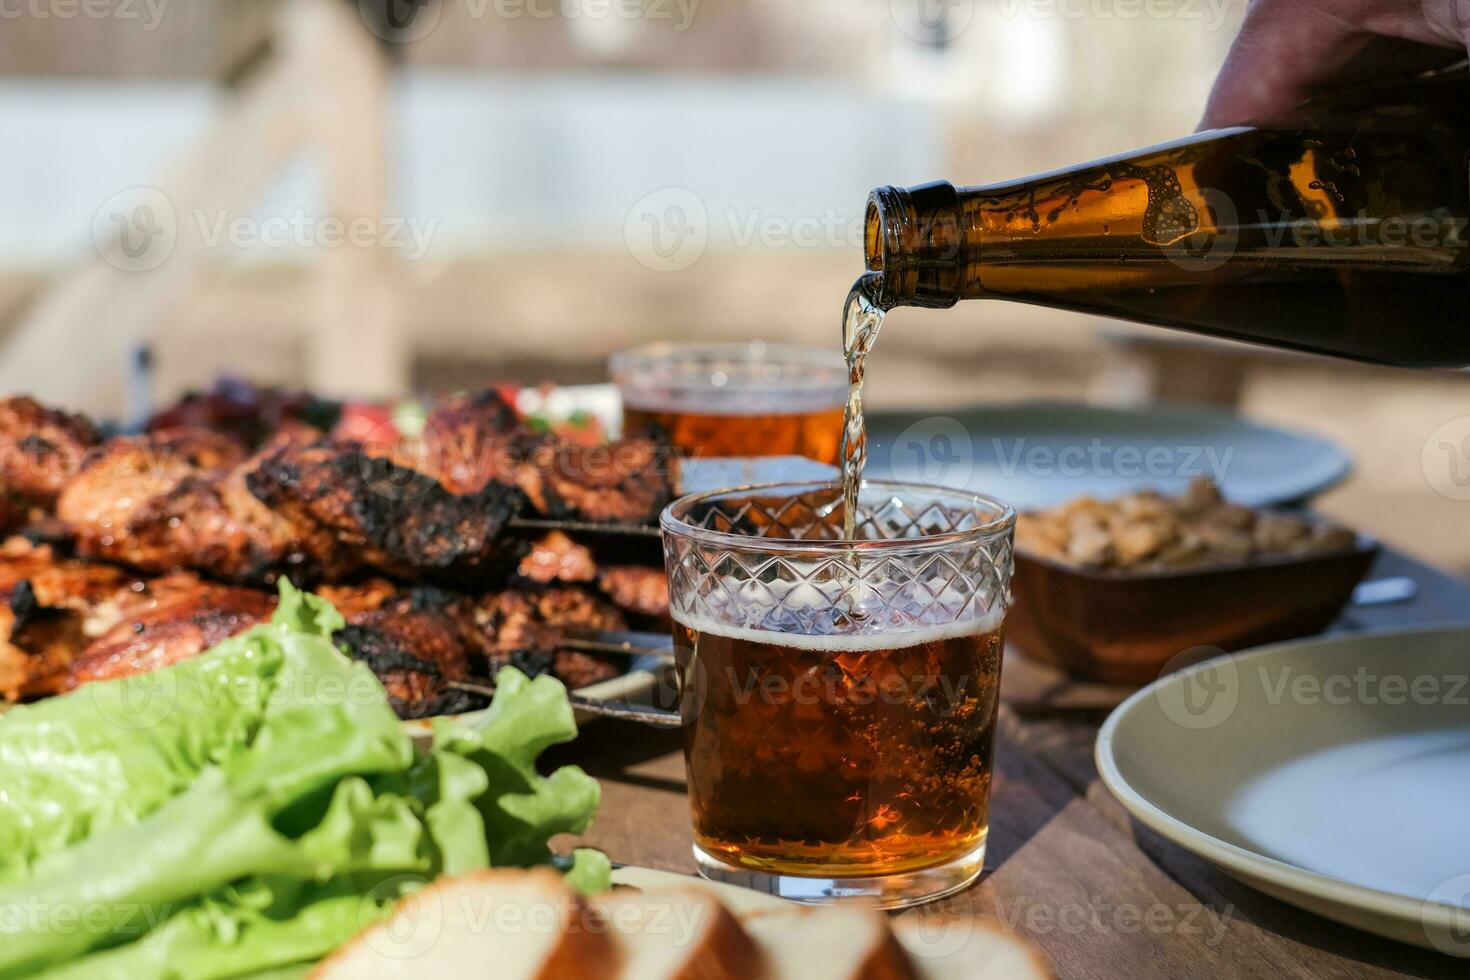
(581,527)
(618,643)
(622,710)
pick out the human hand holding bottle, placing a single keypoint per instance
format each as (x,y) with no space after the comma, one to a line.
(1291,50)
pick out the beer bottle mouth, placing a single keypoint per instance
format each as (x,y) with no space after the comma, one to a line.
(874,246)
(912,239)
(887,214)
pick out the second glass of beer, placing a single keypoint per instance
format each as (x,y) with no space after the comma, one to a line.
(839,696)
(750,399)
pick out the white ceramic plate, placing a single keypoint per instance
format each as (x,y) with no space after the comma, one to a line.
(1331,773)
(1040,454)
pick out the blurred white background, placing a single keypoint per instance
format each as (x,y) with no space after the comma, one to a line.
(574,176)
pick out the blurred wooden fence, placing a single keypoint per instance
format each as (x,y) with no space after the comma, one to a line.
(132,38)
(163,39)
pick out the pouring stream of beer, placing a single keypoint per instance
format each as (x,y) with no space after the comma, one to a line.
(862,317)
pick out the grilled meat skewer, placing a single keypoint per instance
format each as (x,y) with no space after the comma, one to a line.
(322,509)
(70,622)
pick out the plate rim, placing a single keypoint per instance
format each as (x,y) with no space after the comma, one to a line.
(1174,411)
(1240,861)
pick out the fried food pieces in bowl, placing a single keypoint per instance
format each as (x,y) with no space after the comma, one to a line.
(1114,590)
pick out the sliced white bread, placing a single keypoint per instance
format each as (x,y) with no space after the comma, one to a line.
(528,925)
(678,934)
(507,924)
(940,948)
(836,943)
(964,948)
(740,901)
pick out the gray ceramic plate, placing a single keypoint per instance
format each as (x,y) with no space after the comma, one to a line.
(1044,453)
(1332,773)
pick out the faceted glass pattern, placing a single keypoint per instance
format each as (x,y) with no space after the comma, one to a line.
(772,558)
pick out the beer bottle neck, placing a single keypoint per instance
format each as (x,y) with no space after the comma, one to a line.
(914,237)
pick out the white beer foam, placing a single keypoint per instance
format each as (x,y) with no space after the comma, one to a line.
(887,638)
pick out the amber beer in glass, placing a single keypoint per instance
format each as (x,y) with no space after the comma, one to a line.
(839,696)
(753,399)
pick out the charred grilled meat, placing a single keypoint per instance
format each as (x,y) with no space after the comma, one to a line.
(524,627)
(424,636)
(473,439)
(125,477)
(248,413)
(413,648)
(638,590)
(15,513)
(178,499)
(386,516)
(557,558)
(477,439)
(358,597)
(183,618)
(415,643)
(415,640)
(41,449)
(624,482)
(49,610)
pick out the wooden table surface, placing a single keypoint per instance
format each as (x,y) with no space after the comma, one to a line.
(1099,894)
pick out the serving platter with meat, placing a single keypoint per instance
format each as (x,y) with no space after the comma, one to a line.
(443,548)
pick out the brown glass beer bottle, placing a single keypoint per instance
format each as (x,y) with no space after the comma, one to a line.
(1340,230)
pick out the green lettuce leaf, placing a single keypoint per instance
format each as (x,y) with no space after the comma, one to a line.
(266,813)
(253,818)
(112,752)
(257,928)
(522,809)
(590,871)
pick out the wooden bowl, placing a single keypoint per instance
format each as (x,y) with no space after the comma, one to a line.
(1122,627)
